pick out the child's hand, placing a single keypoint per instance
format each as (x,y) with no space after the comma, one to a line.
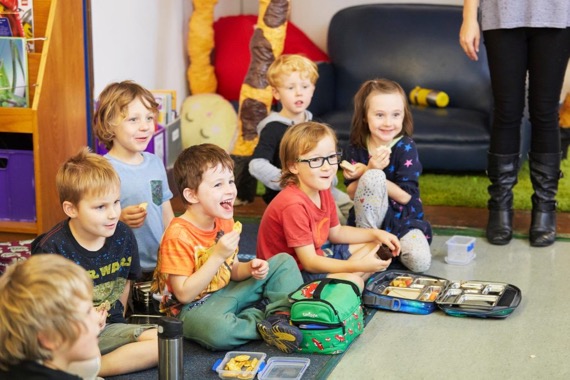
(381,158)
(227,244)
(133,215)
(390,240)
(357,172)
(102,320)
(259,268)
(373,263)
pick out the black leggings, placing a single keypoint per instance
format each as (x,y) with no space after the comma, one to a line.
(543,53)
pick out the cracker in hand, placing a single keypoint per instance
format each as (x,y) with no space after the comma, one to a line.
(347,165)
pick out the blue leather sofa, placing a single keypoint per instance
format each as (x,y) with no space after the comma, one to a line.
(415,45)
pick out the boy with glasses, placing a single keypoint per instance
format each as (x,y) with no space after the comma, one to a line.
(302,219)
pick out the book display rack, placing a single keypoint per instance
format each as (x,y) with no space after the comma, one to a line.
(56,116)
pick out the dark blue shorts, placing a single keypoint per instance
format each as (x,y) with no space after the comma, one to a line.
(332,251)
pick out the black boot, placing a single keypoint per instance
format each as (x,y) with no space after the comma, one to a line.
(544,175)
(502,170)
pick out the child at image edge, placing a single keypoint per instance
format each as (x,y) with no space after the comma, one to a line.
(47,319)
(302,219)
(94,238)
(292,79)
(384,182)
(125,123)
(218,298)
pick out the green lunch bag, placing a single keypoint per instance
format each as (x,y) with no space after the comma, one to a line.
(329,314)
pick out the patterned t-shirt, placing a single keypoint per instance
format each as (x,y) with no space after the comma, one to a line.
(185,248)
(110,267)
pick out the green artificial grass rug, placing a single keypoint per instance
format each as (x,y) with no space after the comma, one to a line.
(470,190)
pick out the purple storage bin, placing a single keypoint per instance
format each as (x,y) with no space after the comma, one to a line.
(17,185)
(155,146)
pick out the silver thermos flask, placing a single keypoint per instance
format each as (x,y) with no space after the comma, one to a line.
(170,359)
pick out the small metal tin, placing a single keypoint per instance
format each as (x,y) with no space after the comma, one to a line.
(494,289)
(477,300)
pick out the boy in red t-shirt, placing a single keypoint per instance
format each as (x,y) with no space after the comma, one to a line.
(302,219)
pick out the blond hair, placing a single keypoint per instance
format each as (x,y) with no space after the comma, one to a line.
(287,64)
(112,108)
(83,174)
(40,296)
(300,139)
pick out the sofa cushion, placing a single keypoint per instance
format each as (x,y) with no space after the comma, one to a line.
(431,126)
(412,44)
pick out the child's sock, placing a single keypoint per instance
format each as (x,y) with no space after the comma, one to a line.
(278,331)
(415,252)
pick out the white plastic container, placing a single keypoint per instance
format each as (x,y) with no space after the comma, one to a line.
(460,250)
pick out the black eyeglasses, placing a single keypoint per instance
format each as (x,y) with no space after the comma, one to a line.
(317,162)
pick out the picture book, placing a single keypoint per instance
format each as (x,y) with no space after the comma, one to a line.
(13,72)
(17,20)
(166,100)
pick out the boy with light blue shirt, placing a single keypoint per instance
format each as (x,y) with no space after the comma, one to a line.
(125,123)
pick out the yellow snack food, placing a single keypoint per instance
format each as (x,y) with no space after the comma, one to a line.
(238,227)
(105,305)
(241,363)
(143,205)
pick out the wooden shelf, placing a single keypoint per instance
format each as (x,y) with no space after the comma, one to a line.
(57,118)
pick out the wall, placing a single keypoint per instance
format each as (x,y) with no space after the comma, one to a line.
(142,40)
(145,40)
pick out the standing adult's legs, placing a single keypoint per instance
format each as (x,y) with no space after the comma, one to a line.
(507,59)
(549,50)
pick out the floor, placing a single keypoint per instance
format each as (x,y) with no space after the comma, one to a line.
(530,344)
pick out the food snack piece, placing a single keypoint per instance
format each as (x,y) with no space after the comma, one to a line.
(347,165)
(401,282)
(241,363)
(238,227)
(384,252)
(143,205)
(105,305)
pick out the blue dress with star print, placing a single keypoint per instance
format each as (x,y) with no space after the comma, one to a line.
(404,170)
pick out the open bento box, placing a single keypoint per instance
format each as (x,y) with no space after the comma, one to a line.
(422,294)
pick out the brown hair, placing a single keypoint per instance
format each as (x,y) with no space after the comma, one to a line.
(360,132)
(40,296)
(289,63)
(194,161)
(298,140)
(85,173)
(113,106)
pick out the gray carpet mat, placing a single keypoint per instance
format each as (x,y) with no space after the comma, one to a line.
(198,361)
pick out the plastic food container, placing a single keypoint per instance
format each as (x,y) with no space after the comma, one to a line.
(460,250)
(284,368)
(247,370)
